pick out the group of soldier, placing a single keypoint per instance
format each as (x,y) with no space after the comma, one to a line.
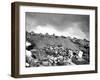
(55,55)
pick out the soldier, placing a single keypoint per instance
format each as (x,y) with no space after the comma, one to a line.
(51,59)
(70,55)
(30,60)
(80,55)
(60,60)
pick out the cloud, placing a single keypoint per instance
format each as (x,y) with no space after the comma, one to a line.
(50,29)
(60,22)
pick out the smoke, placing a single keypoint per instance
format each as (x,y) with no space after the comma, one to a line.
(60,22)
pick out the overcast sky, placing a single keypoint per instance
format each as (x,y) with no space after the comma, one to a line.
(59,24)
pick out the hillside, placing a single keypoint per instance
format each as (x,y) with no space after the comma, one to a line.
(41,41)
(50,47)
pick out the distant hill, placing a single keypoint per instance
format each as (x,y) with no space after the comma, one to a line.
(41,41)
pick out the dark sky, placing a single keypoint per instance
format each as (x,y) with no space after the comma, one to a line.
(74,25)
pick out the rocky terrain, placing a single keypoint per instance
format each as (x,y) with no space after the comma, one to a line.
(41,41)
